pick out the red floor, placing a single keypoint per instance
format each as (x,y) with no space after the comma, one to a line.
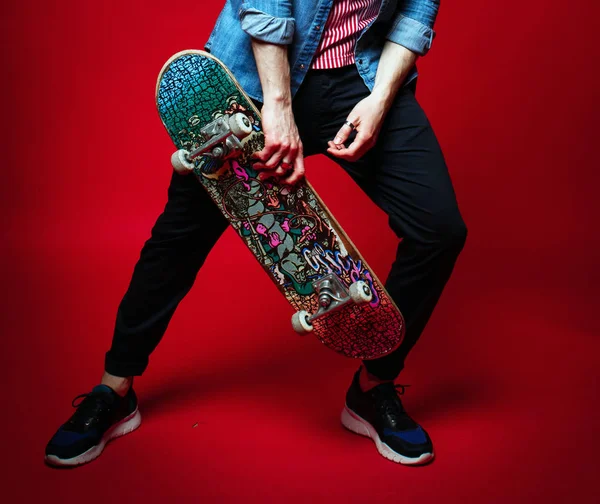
(505,377)
(504,380)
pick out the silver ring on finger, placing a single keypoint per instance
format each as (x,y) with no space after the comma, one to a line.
(350,125)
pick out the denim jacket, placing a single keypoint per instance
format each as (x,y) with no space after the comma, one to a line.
(299,25)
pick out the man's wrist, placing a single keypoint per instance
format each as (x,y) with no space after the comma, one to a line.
(395,64)
(274,73)
(383,95)
(278,98)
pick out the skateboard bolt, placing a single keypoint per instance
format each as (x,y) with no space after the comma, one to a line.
(324,300)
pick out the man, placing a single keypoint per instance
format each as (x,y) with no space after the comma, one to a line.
(335,77)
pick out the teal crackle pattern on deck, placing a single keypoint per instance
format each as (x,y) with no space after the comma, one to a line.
(200,90)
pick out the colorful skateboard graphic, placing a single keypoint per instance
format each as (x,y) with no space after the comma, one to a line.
(290,231)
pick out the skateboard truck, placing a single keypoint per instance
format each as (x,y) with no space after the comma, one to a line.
(224,141)
(332,295)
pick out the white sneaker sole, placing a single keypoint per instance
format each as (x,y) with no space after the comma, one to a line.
(360,426)
(125,426)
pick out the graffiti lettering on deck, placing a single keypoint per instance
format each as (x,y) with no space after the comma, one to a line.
(326,262)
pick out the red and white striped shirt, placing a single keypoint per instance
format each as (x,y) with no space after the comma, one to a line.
(344,24)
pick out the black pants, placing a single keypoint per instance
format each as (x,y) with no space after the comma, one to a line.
(404,174)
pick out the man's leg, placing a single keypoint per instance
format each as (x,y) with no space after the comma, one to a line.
(405,175)
(409,180)
(181,239)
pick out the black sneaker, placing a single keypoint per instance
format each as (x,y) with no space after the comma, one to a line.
(102,415)
(379,414)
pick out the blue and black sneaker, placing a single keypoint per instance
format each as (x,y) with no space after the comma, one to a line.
(102,415)
(379,414)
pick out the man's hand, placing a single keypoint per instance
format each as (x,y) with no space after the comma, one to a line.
(366,117)
(282,155)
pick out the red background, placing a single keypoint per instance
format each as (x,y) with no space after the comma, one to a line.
(505,376)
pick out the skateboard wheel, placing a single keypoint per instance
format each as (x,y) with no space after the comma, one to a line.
(300,322)
(240,125)
(180,162)
(360,292)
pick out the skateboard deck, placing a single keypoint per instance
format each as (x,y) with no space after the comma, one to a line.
(289,229)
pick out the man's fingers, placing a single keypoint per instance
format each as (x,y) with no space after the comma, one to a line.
(354,151)
(282,154)
(265,154)
(290,167)
(277,172)
(298,172)
(285,154)
(272,163)
(343,133)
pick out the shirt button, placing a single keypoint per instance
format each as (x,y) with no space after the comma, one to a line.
(318,27)
(302,67)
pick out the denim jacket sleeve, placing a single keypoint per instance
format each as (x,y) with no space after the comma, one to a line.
(413,25)
(268,20)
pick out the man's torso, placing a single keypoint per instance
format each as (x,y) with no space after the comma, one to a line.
(232,45)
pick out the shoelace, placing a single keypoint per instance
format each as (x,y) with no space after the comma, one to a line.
(392,405)
(400,388)
(88,409)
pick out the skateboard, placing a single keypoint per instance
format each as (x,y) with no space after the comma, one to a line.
(216,129)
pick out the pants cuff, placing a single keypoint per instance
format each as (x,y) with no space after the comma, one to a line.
(122,368)
(383,372)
